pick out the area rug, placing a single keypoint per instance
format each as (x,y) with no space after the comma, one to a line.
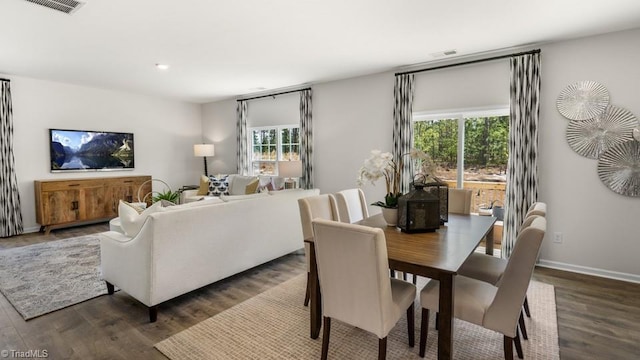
(275,325)
(41,278)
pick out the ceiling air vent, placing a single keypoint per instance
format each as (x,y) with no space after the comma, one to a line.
(66,6)
(445,53)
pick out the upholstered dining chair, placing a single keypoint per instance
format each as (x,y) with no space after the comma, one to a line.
(537,208)
(460,201)
(490,269)
(352,205)
(352,268)
(312,207)
(495,308)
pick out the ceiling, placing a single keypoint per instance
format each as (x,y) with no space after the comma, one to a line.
(220,49)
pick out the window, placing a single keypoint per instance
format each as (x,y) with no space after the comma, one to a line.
(470,149)
(272,144)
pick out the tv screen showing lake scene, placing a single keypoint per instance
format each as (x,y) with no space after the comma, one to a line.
(78,150)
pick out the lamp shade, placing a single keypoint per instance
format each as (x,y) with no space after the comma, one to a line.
(203,150)
(290,169)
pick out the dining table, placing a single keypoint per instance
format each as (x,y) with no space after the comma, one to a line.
(436,255)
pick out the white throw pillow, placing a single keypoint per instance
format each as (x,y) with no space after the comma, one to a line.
(131,221)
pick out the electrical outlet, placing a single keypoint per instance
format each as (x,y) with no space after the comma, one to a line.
(557,238)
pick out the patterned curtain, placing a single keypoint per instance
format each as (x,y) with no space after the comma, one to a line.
(306,139)
(402,127)
(522,177)
(11,218)
(241,138)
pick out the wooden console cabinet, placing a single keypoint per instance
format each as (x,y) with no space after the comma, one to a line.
(62,203)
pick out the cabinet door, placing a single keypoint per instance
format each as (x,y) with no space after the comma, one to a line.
(60,206)
(96,203)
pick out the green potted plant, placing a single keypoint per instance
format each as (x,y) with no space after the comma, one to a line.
(167,195)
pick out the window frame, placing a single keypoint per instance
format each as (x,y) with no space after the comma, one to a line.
(460,115)
(278,145)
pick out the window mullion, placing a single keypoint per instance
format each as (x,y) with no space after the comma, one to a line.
(460,164)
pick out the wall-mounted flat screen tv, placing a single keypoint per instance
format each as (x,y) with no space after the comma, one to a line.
(80,150)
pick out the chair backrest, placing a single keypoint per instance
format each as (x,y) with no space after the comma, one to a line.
(503,313)
(313,207)
(352,205)
(460,201)
(353,270)
(537,208)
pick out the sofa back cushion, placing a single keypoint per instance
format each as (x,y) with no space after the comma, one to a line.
(238,184)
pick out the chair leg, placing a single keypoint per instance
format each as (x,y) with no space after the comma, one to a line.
(518,346)
(404,276)
(508,348)
(437,320)
(424,329)
(526,307)
(307,294)
(523,328)
(392,273)
(411,325)
(415,279)
(382,348)
(325,337)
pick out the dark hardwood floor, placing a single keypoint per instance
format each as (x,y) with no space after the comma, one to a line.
(597,318)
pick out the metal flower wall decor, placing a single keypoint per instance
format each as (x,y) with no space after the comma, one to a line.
(608,133)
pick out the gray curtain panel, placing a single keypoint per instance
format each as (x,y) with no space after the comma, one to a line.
(11,217)
(306,139)
(522,176)
(403,128)
(242,155)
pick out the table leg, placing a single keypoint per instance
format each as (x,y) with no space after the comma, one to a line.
(316,298)
(488,242)
(445,318)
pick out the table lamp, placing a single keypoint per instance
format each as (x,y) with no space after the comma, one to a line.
(204,150)
(290,170)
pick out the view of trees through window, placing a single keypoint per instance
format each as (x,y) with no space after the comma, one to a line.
(273,144)
(484,150)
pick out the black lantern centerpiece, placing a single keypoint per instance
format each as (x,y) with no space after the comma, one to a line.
(424,208)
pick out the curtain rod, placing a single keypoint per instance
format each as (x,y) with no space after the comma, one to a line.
(536,51)
(276,94)
(7,80)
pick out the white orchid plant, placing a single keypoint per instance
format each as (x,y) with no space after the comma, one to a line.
(381,165)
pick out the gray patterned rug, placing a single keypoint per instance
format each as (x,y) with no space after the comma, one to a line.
(41,278)
(274,325)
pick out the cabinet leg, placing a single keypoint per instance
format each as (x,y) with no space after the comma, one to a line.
(47,230)
(110,288)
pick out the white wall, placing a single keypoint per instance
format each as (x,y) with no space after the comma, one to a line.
(600,228)
(470,86)
(219,128)
(164,132)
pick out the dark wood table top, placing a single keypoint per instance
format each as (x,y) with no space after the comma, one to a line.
(444,250)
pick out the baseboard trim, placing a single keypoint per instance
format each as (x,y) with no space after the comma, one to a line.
(590,271)
(31,230)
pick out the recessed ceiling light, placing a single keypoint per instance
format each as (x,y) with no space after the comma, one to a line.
(162,66)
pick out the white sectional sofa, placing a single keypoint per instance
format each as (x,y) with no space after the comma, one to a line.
(183,248)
